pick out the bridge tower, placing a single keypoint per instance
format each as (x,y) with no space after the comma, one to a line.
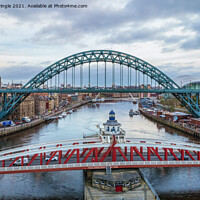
(112,130)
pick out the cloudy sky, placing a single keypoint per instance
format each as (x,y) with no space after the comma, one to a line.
(164,33)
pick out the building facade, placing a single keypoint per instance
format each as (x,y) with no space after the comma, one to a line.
(25,109)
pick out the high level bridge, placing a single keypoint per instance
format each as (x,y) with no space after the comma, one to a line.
(100,71)
(93,153)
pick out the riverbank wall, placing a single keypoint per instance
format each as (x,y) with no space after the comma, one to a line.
(15,129)
(170,124)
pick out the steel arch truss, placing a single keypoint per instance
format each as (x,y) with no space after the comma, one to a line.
(101,56)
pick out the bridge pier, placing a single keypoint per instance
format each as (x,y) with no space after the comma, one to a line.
(100,185)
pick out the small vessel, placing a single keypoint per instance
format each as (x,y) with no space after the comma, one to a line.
(70,112)
(98,100)
(136,112)
(60,116)
(64,114)
(134,101)
(131,113)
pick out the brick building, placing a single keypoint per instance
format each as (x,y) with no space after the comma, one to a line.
(25,109)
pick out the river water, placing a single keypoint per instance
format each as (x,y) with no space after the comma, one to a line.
(169,183)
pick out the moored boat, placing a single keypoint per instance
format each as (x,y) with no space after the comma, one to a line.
(64,114)
(131,113)
(70,112)
(134,101)
(136,112)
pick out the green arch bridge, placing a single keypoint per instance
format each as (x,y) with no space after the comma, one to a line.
(100,71)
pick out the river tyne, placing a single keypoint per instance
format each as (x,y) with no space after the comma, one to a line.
(169,183)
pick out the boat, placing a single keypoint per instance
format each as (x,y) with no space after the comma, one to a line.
(136,112)
(60,116)
(98,100)
(70,112)
(134,101)
(131,113)
(64,114)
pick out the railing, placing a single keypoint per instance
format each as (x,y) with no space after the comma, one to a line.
(74,166)
(98,90)
(149,184)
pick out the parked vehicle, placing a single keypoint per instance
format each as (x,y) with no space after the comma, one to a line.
(7,123)
(26,119)
(55,158)
(19,161)
(179,157)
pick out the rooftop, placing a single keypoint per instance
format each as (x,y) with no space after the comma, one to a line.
(112,123)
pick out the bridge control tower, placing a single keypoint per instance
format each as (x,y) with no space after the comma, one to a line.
(112,130)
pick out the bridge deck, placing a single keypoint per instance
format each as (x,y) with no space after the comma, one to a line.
(90,153)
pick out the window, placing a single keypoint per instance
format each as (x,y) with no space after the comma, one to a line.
(102,183)
(137,180)
(96,181)
(108,184)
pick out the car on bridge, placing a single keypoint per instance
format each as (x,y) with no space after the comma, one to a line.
(55,158)
(19,162)
(179,157)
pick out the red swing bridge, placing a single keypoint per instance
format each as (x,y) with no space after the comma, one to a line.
(109,148)
(92,153)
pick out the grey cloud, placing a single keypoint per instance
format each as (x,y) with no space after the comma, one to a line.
(172,69)
(192,43)
(186,78)
(169,49)
(66,26)
(132,35)
(134,10)
(142,34)
(19,73)
(145,9)
(34,14)
(48,62)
